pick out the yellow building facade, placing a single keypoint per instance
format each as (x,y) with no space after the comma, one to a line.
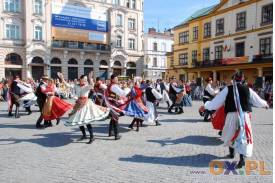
(219,40)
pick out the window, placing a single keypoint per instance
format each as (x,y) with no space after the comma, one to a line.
(128,3)
(240,47)
(218,52)
(194,56)
(12,5)
(241,21)
(12,31)
(155,62)
(131,44)
(119,41)
(206,54)
(119,20)
(195,33)
(38,33)
(116,2)
(220,26)
(184,37)
(267,14)
(133,4)
(131,24)
(207,29)
(38,7)
(163,47)
(183,59)
(265,46)
(155,46)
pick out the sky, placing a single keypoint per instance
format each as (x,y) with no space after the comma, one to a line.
(163,14)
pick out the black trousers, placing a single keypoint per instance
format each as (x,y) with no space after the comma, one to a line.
(90,130)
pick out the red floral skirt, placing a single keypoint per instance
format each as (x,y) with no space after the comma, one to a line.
(54,108)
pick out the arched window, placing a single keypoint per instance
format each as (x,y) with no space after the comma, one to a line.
(38,33)
(55,61)
(131,64)
(72,61)
(117,63)
(13,59)
(37,60)
(88,62)
(103,63)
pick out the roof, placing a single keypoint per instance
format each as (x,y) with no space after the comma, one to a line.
(199,13)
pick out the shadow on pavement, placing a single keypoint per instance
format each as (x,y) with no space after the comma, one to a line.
(199,160)
(182,120)
(19,126)
(196,140)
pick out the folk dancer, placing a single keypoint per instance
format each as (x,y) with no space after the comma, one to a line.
(115,98)
(152,98)
(237,131)
(14,93)
(174,90)
(136,107)
(41,99)
(54,107)
(209,94)
(85,111)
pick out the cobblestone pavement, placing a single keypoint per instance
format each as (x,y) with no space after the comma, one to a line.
(178,151)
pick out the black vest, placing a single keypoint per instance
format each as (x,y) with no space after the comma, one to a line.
(206,93)
(39,94)
(149,95)
(171,90)
(244,99)
(14,88)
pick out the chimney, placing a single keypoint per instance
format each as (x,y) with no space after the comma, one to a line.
(152,30)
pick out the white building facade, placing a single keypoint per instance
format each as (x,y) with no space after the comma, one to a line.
(156,45)
(70,36)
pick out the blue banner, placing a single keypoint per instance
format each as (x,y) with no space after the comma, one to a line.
(79,23)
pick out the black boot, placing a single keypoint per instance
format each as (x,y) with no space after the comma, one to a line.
(111,128)
(220,133)
(157,123)
(176,110)
(38,122)
(132,124)
(180,110)
(83,133)
(231,154)
(10,114)
(138,122)
(17,112)
(57,121)
(90,129)
(117,136)
(241,162)
(28,109)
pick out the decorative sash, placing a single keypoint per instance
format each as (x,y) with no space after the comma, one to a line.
(243,134)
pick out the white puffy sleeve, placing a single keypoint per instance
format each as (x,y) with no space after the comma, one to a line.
(256,100)
(117,90)
(156,94)
(218,101)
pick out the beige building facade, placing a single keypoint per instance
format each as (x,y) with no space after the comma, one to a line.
(73,37)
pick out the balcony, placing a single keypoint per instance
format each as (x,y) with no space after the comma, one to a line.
(207,63)
(262,58)
(80,46)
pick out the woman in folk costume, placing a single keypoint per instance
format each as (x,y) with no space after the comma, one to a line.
(135,108)
(85,111)
(152,97)
(54,107)
(237,132)
(115,99)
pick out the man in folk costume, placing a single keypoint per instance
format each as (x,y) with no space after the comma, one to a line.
(152,98)
(14,96)
(237,132)
(174,90)
(41,99)
(115,97)
(209,94)
(164,88)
